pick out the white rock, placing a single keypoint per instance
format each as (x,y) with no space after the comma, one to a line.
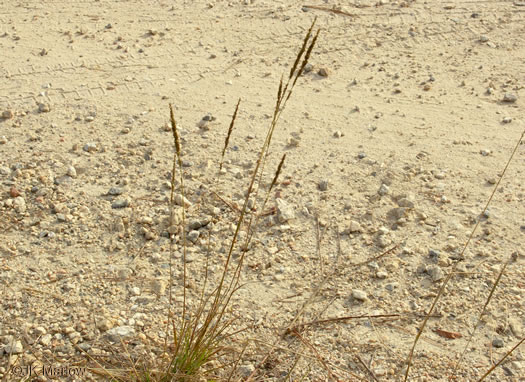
(121,332)
(72,172)
(179,200)
(383,190)
(46,339)
(13,347)
(354,227)
(104,324)
(285,212)
(359,295)
(19,204)
(39,331)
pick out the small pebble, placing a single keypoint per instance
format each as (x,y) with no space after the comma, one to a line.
(72,172)
(485,152)
(115,191)
(381,275)
(383,190)
(3,140)
(354,227)
(246,370)
(285,212)
(435,273)
(90,147)
(498,342)
(13,347)
(359,295)
(13,192)
(7,114)
(44,108)
(510,98)
(193,236)
(506,120)
(323,72)
(121,203)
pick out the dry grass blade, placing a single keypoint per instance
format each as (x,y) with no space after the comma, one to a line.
(174,131)
(449,276)
(301,51)
(358,317)
(483,311)
(331,10)
(331,376)
(279,168)
(501,360)
(303,65)
(230,129)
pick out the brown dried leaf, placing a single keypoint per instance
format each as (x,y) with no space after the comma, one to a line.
(446,334)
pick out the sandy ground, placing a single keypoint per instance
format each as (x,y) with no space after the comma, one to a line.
(395,140)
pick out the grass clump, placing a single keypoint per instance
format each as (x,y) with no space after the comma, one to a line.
(200,334)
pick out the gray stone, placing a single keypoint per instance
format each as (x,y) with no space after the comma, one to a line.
(384,241)
(196,224)
(144,300)
(510,98)
(246,370)
(391,286)
(383,190)
(84,346)
(435,273)
(405,202)
(397,213)
(159,287)
(120,332)
(434,254)
(498,342)
(116,191)
(193,236)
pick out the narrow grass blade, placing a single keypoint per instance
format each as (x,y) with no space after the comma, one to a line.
(449,276)
(230,129)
